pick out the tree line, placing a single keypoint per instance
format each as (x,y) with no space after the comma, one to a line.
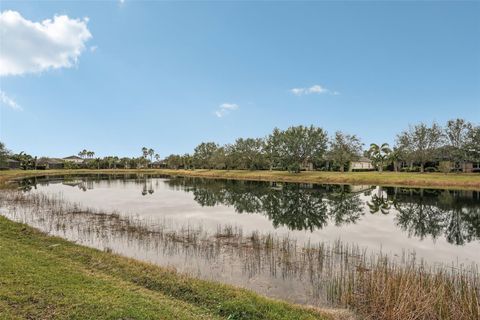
(310,148)
(145,160)
(421,147)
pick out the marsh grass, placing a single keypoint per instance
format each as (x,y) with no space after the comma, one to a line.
(375,285)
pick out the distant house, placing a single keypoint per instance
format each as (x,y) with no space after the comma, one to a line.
(10,164)
(159,164)
(467,166)
(73,159)
(470,167)
(50,163)
(307,166)
(362,164)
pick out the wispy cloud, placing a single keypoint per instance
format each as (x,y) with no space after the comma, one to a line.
(9,102)
(315,89)
(225,109)
(32,47)
(93,48)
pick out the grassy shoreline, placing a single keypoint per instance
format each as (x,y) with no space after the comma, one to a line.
(400,179)
(45,277)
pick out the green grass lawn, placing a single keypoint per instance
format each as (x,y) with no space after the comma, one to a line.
(43,277)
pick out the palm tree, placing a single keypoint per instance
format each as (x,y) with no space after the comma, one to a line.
(394,157)
(157,157)
(26,160)
(151,152)
(379,155)
(145,152)
(115,160)
(82,153)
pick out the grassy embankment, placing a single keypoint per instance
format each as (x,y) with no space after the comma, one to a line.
(44,277)
(430,180)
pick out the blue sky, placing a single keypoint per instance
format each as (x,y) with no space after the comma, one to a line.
(169,75)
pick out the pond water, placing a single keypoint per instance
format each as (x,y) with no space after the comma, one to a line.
(438,226)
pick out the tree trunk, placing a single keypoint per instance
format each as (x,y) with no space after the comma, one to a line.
(342,167)
(422,167)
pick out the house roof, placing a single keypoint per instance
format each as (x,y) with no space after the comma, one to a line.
(12,160)
(73,158)
(363,159)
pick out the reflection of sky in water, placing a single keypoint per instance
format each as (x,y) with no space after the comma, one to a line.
(170,201)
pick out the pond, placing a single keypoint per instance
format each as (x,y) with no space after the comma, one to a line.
(171,221)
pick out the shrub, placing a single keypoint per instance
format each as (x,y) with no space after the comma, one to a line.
(444,166)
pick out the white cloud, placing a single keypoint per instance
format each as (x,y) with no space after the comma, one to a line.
(9,102)
(226,108)
(315,89)
(298,91)
(93,48)
(31,47)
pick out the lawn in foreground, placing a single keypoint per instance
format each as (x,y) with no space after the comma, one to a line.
(43,277)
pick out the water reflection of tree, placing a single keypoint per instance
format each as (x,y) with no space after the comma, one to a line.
(420,219)
(379,202)
(345,207)
(147,187)
(420,212)
(471,225)
(295,206)
(463,221)
(452,214)
(27,185)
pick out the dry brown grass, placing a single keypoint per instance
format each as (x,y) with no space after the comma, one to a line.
(410,291)
(431,180)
